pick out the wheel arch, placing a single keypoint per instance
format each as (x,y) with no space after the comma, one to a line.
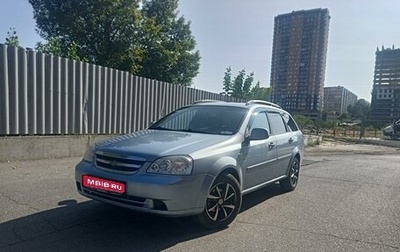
(227,165)
(232,171)
(296,154)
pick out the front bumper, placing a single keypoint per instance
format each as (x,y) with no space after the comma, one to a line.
(152,193)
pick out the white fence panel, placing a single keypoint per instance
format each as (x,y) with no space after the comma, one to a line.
(47,95)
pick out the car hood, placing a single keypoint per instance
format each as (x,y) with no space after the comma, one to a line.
(152,144)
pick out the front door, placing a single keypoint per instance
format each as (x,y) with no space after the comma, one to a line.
(257,157)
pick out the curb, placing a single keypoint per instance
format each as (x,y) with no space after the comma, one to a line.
(44,147)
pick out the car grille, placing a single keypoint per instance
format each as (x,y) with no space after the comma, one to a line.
(116,162)
(123,199)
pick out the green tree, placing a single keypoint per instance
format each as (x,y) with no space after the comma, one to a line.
(12,38)
(248,82)
(359,110)
(73,52)
(260,93)
(342,117)
(53,46)
(237,87)
(104,30)
(242,86)
(303,121)
(166,44)
(227,84)
(149,40)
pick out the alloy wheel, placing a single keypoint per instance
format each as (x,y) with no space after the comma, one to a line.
(294,174)
(221,202)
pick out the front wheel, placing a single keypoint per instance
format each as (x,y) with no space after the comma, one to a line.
(222,204)
(290,182)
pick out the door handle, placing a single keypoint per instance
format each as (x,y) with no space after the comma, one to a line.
(272,144)
(290,140)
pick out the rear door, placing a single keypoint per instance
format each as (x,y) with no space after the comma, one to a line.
(285,142)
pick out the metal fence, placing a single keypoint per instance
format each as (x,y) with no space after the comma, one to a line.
(46,95)
(345,132)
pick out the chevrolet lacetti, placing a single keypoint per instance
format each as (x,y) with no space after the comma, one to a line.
(197,161)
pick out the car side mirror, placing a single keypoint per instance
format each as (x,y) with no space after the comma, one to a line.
(259,134)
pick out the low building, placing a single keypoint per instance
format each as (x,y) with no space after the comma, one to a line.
(337,100)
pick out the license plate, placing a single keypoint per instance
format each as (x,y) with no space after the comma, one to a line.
(103,184)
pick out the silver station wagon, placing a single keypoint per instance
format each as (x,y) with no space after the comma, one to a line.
(197,161)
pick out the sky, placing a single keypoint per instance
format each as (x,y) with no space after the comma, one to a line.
(239,34)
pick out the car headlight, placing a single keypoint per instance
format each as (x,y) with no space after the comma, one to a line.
(89,154)
(173,165)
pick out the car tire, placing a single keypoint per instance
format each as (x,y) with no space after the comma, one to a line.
(290,182)
(222,204)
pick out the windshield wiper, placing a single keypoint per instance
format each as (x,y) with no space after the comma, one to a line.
(197,131)
(182,130)
(160,128)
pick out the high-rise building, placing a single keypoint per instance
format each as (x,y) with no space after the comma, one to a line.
(299,60)
(385,102)
(337,100)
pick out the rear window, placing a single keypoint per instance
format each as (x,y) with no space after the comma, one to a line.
(291,125)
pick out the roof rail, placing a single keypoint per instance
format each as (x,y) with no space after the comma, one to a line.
(264,103)
(205,101)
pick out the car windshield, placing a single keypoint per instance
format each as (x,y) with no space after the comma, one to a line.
(203,119)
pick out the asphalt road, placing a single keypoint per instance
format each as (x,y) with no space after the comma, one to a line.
(348,199)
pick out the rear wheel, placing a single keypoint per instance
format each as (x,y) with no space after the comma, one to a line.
(223,203)
(290,182)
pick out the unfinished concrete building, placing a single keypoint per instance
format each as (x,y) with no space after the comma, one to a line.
(299,60)
(385,102)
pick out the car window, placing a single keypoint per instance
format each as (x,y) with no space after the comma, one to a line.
(277,124)
(259,121)
(291,125)
(177,120)
(203,119)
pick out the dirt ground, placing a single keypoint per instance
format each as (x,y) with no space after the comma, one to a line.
(347,147)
